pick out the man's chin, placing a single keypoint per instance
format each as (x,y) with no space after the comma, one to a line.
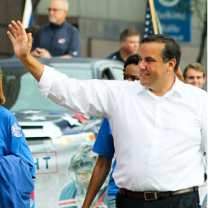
(143,83)
(52,20)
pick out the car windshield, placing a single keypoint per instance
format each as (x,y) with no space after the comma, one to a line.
(29,98)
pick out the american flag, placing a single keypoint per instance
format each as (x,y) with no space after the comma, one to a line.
(152,24)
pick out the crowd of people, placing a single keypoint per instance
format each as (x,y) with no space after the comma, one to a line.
(152,142)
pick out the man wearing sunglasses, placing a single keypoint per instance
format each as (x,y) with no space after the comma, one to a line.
(57,38)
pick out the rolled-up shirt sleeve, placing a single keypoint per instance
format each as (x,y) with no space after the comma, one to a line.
(91,97)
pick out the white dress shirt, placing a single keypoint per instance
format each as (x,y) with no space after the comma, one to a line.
(159,141)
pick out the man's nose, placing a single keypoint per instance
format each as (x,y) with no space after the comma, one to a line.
(141,64)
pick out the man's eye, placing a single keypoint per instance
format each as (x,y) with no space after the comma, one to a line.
(149,60)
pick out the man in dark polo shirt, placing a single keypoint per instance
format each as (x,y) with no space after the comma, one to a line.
(129,41)
(57,38)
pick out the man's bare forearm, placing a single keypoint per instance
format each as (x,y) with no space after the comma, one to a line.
(100,172)
(33,66)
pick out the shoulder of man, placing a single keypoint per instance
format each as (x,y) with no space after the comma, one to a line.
(113,56)
(70,27)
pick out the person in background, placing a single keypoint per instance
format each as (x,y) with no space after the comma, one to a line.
(104,147)
(57,38)
(80,171)
(129,42)
(17,168)
(161,142)
(194,74)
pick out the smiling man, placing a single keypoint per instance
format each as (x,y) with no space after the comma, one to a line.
(159,124)
(194,74)
(58,38)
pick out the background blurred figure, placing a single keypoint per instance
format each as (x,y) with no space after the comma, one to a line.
(104,147)
(16,163)
(129,41)
(79,171)
(194,74)
(58,38)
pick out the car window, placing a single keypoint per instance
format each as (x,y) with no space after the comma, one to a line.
(117,73)
(29,97)
(75,71)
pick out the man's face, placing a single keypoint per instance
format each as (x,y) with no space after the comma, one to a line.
(56,13)
(131,44)
(83,177)
(153,72)
(195,78)
(131,73)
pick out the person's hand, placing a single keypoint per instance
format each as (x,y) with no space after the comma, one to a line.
(35,53)
(43,53)
(21,41)
(179,74)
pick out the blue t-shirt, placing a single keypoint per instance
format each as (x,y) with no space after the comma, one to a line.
(12,139)
(115,56)
(59,40)
(104,146)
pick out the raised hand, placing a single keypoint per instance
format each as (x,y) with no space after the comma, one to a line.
(21,41)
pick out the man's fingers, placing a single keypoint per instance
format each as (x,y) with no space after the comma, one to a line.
(12,29)
(20,25)
(15,26)
(10,36)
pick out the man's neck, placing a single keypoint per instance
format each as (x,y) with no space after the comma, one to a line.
(163,88)
(57,25)
(124,55)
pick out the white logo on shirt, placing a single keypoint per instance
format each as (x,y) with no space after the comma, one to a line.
(16,130)
(62,40)
(75,53)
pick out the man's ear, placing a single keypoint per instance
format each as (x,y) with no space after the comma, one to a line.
(204,79)
(171,64)
(122,43)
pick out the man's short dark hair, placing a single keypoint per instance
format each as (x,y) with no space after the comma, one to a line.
(127,33)
(172,49)
(195,66)
(132,59)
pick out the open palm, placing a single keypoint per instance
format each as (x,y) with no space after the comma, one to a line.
(21,41)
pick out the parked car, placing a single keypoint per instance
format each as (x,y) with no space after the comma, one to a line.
(42,120)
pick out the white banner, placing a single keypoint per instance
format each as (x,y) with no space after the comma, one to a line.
(62,175)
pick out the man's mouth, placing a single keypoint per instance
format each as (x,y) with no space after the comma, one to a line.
(143,74)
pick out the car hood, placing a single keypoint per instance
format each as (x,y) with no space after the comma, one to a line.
(65,121)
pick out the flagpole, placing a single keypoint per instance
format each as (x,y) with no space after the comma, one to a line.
(27,13)
(152,10)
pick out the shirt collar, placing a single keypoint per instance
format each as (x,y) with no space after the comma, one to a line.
(177,88)
(53,26)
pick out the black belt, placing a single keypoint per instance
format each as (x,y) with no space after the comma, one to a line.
(151,195)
